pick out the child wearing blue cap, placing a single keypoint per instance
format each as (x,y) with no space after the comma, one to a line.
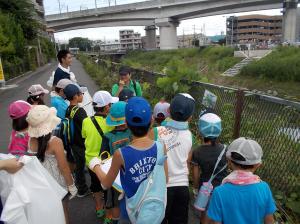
(205,157)
(77,114)
(136,161)
(119,137)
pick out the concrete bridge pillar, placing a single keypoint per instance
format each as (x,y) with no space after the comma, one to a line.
(289,23)
(150,42)
(168,33)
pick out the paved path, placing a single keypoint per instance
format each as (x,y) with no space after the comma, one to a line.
(81,210)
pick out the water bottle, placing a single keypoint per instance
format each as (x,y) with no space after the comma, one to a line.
(203,196)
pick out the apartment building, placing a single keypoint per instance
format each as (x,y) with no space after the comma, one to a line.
(253,29)
(110,46)
(130,40)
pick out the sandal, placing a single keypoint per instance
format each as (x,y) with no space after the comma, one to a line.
(100,213)
(107,221)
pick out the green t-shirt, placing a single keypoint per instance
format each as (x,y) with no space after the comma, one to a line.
(93,140)
(138,91)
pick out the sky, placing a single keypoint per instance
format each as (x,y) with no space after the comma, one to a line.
(210,26)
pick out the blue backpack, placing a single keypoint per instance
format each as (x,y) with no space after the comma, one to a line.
(65,130)
(149,202)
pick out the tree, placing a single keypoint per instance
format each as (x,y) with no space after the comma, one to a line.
(23,12)
(82,43)
(12,41)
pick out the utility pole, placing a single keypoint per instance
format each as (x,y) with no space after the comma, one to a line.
(59,6)
(232,31)
(183,37)
(95,4)
(194,41)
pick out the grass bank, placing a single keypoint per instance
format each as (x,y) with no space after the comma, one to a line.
(278,73)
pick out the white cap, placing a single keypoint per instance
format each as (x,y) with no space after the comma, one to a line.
(36,90)
(161,107)
(247,148)
(103,98)
(63,83)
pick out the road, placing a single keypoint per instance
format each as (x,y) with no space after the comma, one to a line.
(81,210)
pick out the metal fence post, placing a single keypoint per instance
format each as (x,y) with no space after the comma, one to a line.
(240,94)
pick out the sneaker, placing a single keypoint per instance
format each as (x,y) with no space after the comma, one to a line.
(107,221)
(100,213)
(83,194)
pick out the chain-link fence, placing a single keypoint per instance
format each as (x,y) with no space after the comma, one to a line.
(273,122)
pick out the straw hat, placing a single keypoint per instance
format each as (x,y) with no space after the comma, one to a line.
(42,120)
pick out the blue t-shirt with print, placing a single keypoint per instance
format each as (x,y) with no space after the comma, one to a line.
(241,204)
(60,105)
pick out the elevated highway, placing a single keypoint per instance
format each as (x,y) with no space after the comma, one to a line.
(165,14)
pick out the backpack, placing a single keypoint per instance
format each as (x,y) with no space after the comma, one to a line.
(18,145)
(134,86)
(149,202)
(65,130)
(117,140)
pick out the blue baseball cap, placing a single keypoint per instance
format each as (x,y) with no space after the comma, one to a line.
(71,90)
(138,112)
(116,116)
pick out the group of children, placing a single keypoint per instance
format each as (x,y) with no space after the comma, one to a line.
(140,143)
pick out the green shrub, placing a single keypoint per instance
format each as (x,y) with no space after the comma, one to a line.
(282,64)
(218,59)
(48,49)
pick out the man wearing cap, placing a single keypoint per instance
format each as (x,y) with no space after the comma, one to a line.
(91,126)
(243,197)
(57,99)
(36,94)
(126,83)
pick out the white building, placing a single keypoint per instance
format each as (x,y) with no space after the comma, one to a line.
(108,46)
(130,40)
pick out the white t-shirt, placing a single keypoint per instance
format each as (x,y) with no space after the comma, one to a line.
(178,144)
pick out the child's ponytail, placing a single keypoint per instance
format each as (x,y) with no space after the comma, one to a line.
(42,146)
